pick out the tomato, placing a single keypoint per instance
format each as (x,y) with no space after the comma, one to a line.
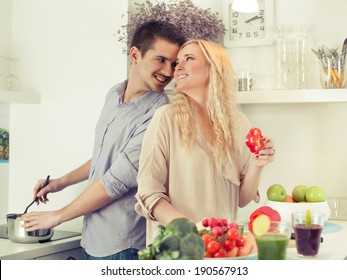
(208,255)
(212,247)
(220,254)
(232,225)
(233,233)
(229,244)
(206,238)
(240,242)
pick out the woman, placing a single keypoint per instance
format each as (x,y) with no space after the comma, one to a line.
(194,162)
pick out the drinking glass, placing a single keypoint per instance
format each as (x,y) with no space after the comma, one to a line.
(338,208)
(307,233)
(273,244)
(246,80)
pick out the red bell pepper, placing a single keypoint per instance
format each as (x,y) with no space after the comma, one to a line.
(254,140)
(267,210)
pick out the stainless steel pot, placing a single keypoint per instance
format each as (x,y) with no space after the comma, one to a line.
(17,233)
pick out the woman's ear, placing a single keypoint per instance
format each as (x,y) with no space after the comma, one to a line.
(134,55)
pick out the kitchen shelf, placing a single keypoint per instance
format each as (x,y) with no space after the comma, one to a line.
(292,96)
(8,96)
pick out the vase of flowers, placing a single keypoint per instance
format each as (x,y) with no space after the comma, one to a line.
(194,21)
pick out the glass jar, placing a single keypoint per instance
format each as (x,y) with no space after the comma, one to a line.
(299,62)
(332,72)
(283,59)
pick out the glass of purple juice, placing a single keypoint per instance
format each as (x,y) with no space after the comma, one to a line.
(308,228)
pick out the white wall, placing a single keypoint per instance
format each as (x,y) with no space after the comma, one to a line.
(4,165)
(68,53)
(5,31)
(5,26)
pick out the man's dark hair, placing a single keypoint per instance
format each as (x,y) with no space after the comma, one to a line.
(146,34)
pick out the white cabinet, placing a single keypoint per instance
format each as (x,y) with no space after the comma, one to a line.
(74,254)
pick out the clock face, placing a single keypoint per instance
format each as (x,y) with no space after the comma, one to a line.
(249,29)
(247,26)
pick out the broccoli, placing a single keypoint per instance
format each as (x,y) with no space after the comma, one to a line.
(179,240)
(180,227)
(192,247)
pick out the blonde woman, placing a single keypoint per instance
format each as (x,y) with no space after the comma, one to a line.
(194,162)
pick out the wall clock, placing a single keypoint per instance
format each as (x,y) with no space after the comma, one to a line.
(249,29)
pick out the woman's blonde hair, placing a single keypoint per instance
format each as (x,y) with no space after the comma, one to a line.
(221,103)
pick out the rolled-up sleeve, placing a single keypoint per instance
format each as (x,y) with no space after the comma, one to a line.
(121,176)
(152,176)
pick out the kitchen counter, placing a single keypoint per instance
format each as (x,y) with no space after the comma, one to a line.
(334,247)
(67,248)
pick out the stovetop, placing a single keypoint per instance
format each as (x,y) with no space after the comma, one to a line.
(57,235)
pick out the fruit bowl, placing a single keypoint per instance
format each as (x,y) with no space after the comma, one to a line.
(285,209)
(250,256)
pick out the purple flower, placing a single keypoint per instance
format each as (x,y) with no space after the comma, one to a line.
(194,21)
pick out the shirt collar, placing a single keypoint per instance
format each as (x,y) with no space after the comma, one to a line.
(143,102)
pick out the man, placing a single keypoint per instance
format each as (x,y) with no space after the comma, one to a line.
(112,229)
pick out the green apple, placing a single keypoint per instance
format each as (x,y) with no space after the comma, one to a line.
(276,192)
(315,194)
(299,193)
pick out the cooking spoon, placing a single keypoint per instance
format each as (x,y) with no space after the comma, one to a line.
(44,185)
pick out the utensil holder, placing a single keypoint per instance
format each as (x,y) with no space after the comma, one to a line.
(332,72)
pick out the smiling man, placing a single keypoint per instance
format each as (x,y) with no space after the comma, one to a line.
(112,229)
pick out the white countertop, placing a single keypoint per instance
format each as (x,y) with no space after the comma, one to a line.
(20,251)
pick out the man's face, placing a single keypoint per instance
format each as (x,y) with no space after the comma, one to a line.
(155,69)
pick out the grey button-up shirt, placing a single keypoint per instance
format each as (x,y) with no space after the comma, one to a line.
(118,139)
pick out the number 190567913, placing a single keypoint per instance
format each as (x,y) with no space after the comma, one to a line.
(224,270)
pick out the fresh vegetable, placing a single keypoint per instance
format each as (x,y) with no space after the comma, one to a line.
(179,240)
(249,243)
(267,210)
(261,225)
(254,140)
(223,239)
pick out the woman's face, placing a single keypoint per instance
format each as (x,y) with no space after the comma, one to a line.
(192,71)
